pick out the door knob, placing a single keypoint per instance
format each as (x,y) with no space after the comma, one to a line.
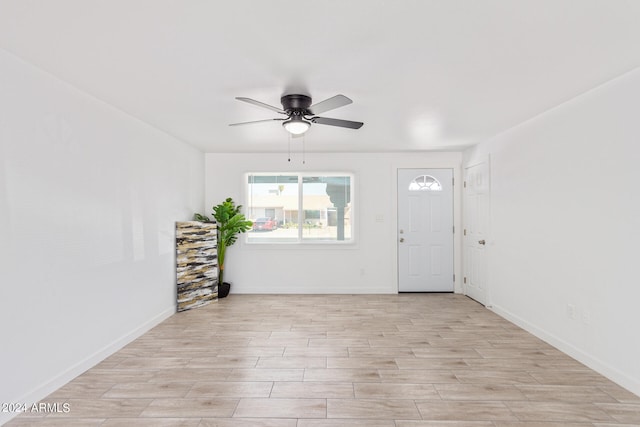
(482,242)
(401,239)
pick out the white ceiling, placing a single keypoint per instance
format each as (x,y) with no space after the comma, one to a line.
(423,74)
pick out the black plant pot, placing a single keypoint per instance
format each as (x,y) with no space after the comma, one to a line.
(223,289)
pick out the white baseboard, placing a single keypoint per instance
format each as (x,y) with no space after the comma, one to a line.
(592,362)
(311,291)
(63,378)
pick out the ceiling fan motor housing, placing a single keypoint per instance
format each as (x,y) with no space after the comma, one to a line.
(293,103)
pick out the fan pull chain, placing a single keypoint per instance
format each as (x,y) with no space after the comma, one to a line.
(289,149)
(304,161)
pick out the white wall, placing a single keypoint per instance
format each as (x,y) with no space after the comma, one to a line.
(88,201)
(368,266)
(566,226)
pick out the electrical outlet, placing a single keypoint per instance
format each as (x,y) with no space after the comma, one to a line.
(586,316)
(571,311)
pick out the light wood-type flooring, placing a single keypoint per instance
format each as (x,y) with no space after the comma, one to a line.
(408,360)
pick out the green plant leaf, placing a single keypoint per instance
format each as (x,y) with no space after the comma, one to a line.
(230,223)
(200,217)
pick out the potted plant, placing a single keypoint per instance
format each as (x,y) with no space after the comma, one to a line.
(230,223)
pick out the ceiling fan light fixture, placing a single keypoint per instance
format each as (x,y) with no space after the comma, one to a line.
(296,125)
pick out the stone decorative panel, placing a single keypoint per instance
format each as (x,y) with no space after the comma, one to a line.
(196,264)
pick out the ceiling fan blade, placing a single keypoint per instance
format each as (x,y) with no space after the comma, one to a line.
(261,104)
(329,104)
(337,122)
(255,121)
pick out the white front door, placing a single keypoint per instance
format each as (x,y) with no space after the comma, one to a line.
(425,230)
(475,233)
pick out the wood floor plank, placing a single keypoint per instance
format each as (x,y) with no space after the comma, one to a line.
(231,389)
(248,422)
(558,411)
(310,389)
(395,391)
(346,422)
(465,411)
(281,408)
(190,407)
(372,408)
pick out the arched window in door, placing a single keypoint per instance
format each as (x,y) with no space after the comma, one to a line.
(425,183)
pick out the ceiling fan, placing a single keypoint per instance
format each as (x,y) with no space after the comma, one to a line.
(300,113)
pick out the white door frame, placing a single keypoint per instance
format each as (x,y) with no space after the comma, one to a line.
(412,163)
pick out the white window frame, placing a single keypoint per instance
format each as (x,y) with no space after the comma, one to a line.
(301,241)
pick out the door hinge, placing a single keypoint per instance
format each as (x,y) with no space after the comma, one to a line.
(465,280)
(453,181)
(454,229)
(465,232)
(454,277)
(465,184)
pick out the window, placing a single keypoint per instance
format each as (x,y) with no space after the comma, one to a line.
(300,208)
(425,183)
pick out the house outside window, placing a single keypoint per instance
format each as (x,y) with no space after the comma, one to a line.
(300,207)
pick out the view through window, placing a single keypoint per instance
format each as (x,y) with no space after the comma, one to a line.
(299,208)
(425,183)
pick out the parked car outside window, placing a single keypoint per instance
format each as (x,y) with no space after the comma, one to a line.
(265,224)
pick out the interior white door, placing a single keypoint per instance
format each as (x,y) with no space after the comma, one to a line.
(475,234)
(425,230)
